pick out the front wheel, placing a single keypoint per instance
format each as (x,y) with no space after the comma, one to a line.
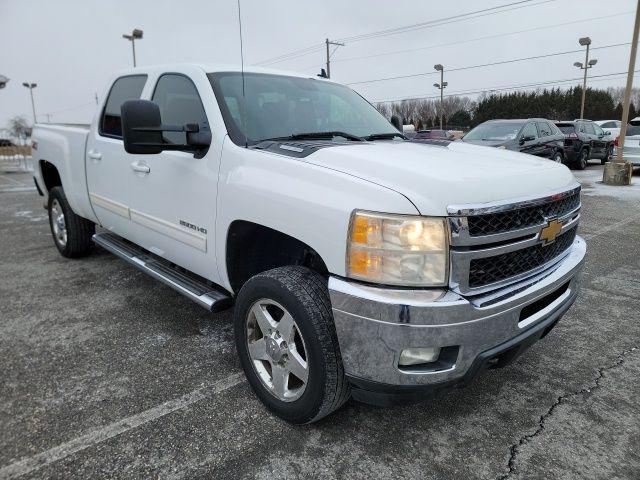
(287,343)
(71,233)
(558,157)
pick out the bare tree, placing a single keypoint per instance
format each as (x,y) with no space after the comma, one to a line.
(19,127)
(384,108)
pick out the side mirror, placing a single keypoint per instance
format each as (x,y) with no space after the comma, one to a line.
(142,131)
(526,138)
(395,121)
(607,133)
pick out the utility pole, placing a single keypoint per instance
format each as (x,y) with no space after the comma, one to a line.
(441,86)
(337,44)
(620,172)
(31,86)
(585,42)
(135,35)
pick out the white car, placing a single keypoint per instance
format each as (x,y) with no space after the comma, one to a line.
(611,126)
(360,263)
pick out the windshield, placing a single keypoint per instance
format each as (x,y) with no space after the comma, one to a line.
(275,106)
(494,131)
(566,128)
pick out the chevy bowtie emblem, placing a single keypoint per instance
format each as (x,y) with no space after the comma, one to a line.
(549,233)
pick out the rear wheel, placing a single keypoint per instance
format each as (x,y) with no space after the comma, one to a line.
(288,345)
(583,159)
(71,233)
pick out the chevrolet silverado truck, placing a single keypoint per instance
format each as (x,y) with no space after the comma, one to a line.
(360,264)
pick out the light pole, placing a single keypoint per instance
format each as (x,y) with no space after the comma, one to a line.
(135,35)
(31,86)
(619,171)
(585,42)
(441,86)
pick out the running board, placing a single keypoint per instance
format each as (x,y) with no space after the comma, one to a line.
(196,289)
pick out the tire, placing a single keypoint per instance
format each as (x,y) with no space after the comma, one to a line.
(71,233)
(304,295)
(558,157)
(583,159)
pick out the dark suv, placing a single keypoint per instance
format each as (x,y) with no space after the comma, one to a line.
(535,136)
(584,140)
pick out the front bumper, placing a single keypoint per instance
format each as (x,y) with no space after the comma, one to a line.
(375,324)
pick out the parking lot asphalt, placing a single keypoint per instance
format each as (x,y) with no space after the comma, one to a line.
(106,373)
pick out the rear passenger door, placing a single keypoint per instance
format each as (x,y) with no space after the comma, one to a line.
(107,164)
(174,194)
(547,143)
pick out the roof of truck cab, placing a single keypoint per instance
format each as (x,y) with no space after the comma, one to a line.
(214,68)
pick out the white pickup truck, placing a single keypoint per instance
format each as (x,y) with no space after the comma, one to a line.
(361,264)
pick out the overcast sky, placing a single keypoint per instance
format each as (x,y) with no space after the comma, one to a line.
(71,47)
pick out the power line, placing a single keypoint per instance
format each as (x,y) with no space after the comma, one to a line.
(446,20)
(491,64)
(487,37)
(432,23)
(500,88)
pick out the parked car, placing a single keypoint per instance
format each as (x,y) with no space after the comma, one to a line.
(631,150)
(535,136)
(611,126)
(360,263)
(585,140)
(6,143)
(433,135)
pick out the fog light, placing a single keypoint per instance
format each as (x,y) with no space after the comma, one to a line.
(416,356)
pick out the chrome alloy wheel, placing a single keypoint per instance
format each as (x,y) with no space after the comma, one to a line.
(277,350)
(58,223)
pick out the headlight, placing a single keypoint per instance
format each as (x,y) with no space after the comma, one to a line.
(397,249)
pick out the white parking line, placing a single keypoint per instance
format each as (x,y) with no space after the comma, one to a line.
(4,178)
(99,435)
(611,227)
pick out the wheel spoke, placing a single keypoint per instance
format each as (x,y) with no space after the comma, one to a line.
(258,350)
(286,327)
(297,365)
(264,318)
(280,380)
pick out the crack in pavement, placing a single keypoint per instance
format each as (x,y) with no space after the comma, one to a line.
(515,448)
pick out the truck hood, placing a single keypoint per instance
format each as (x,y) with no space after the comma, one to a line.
(433,177)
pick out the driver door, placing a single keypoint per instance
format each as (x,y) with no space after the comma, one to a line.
(173,193)
(533,146)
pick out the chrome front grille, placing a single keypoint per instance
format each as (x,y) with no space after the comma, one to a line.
(493,245)
(500,222)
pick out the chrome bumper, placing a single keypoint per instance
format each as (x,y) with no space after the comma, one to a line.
(375,324)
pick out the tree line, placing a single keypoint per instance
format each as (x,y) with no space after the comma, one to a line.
(461,112)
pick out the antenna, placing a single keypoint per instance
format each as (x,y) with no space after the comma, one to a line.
(244,113)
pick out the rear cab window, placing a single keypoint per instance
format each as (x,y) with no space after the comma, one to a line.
(566,128)
(123,89)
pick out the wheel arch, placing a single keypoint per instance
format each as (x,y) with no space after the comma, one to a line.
(252,248)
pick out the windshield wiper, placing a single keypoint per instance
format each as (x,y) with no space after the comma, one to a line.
(312,135)
(384,136)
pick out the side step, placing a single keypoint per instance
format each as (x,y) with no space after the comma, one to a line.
(191,286)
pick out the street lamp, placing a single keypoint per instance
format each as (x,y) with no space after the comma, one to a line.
(585,42)
(135,35)
(31,86)
(441,86)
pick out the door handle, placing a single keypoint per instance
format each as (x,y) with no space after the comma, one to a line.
(94,155)
(140,168)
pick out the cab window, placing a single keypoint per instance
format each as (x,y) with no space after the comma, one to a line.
(588,128)
(179,103)
(123,89)
(545,130)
